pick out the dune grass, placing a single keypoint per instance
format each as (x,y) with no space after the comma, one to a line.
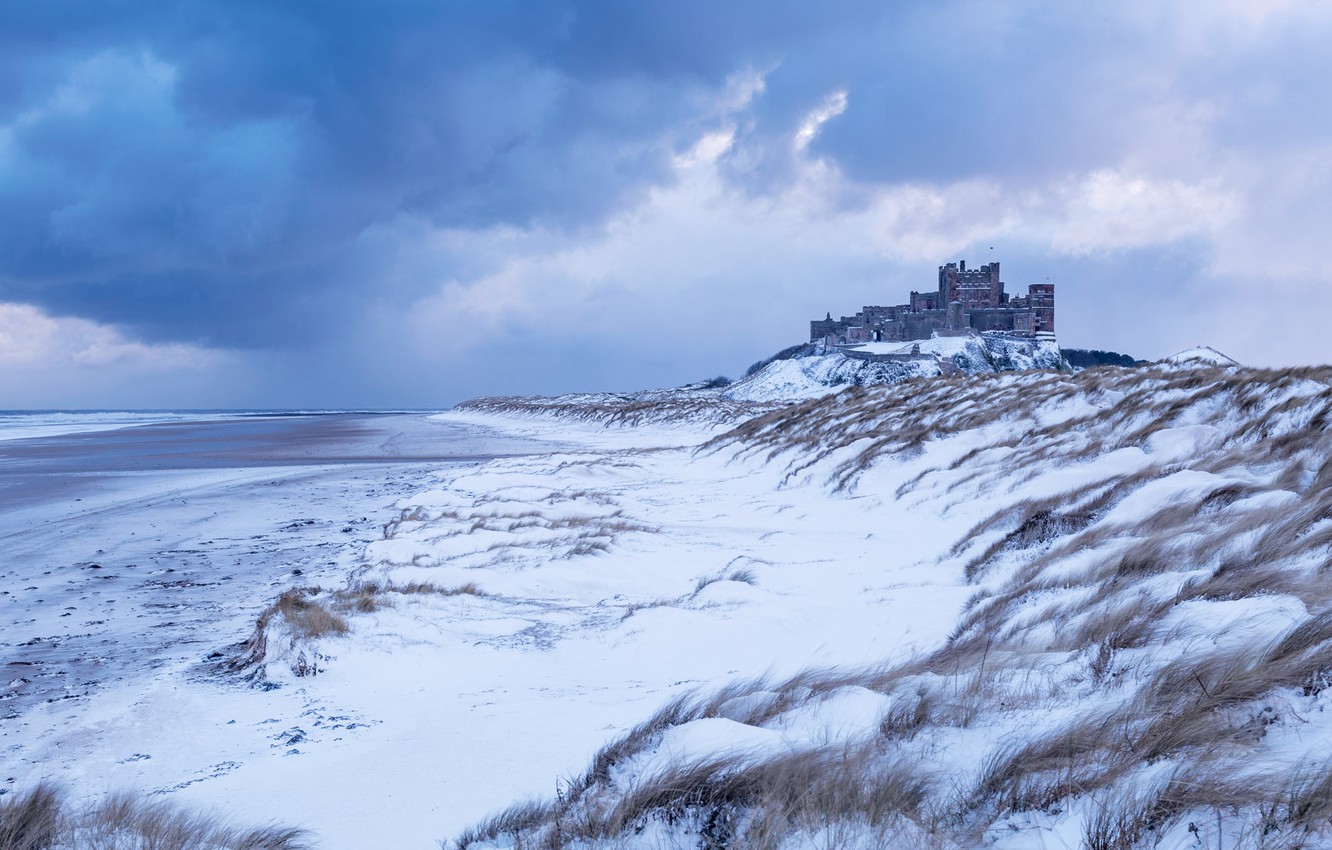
(1085,678)
(42,818)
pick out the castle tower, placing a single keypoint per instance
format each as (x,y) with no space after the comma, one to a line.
(978,289)
(1040,297)
(996,285)
(949,289)
(967,301)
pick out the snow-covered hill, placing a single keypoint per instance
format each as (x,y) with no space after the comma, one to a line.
(816,375)
(1202,355)
(780,382)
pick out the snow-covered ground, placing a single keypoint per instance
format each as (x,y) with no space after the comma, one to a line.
(132,556)
(1018,610)
(811,373)
(449,706)
(1143,662)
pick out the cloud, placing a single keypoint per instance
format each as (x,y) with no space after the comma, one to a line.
(55,362)
(330,191)
(832,106)
(30,338)
(170,171)
(745,271)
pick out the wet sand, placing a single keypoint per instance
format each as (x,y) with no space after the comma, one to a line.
(123,553)
(30,469)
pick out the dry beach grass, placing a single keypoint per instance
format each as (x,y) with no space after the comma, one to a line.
(1143,648)
(1149,636)
(42,819)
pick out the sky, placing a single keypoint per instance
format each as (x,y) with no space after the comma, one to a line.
(255,203)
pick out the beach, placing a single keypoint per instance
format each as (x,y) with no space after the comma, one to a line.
(577,578)
(134,552)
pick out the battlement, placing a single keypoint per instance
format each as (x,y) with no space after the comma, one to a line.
(966,301)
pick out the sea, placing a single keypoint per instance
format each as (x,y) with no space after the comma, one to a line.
(22,424)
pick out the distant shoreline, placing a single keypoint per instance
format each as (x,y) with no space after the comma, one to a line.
(24,424)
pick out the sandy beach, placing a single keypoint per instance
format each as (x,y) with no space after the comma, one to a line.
(133,550)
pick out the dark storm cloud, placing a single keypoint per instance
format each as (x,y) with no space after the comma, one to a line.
(201,170)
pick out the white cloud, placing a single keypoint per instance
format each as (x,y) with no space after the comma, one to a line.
(1208,28)
(701,253)
(833,105)
(1110,210)
(61,362)
(31,338)
(710,148)
(700,246)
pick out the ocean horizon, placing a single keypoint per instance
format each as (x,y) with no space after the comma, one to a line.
(18,424)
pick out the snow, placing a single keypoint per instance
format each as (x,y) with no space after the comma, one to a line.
(1201,354)
(883,348)
(944,346)
(454,706)
(819,375)
(666,415)
(580,586)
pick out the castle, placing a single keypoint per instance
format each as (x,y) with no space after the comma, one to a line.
(966,302)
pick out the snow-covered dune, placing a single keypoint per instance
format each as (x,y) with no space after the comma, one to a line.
(1143,660)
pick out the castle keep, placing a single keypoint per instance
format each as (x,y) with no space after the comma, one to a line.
(965,302)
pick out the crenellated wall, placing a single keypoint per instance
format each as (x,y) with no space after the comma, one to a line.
(966,301)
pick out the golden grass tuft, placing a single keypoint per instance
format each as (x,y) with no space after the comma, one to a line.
(42,819)
(307,617)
